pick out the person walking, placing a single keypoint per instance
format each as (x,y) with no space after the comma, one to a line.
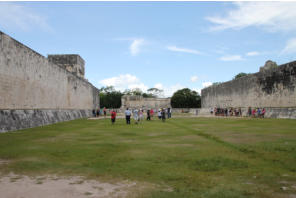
(163,115)
(113,116)
(105,112)
(136,115)
(159,114)
(151,113)
(128,116)
(169,112)
(263,112)
(141,116)
(148,114)
(98,112)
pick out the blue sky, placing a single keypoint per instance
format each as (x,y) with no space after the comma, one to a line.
(168,45)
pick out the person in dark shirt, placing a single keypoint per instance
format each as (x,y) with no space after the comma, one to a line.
(163,115)
(148,114)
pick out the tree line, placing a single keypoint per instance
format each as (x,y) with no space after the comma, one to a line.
(183,98)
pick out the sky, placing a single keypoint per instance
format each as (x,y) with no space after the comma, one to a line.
(166,45)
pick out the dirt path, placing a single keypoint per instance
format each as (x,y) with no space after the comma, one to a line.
(20,186)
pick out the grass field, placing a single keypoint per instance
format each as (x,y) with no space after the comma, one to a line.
(183,157)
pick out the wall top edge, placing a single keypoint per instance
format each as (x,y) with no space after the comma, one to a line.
(23,45)
(251,75)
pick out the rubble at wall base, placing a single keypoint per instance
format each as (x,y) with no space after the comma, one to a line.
(11,120)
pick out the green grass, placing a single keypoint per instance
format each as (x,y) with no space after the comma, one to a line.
(194,157)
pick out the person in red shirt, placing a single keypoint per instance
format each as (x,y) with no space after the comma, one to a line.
(113,116)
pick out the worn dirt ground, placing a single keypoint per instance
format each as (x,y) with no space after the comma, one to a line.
(21,186)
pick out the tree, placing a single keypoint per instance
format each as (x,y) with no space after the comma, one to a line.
(186,98)
(155,92)
(240,75)
(216,83)
(109,97)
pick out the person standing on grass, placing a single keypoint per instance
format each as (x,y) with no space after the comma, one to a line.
(159,114)
(253,113)
(105,112)
(250,111)
(98,112)
(169,112)
(128,116)
(151,113)
(163,115)
(263,112)
(113,116)
(141,116)
(148,114)
(136,115)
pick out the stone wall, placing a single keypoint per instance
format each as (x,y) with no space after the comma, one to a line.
(11,120)
(145,103)
(275,87)
(28,81)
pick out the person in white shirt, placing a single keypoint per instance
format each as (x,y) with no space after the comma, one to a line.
(128,116)
(141,116)
(159,114)
(136,116)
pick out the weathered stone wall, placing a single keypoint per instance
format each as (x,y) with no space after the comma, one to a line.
(145,103)
(11,120)
(28,81)
(71,62)
(275,87)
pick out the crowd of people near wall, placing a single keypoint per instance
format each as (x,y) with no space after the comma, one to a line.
(137,114)
(252,112)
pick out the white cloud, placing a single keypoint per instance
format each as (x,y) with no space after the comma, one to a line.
(194,78)
(190,51)
(272,16)
(139,86)
(124,81)
(231,58)
(158,86)
(17,16)
(290,47)
(168,91)
(206,84)
(135,46)
(252,53)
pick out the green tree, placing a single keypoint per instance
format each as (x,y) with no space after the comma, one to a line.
(240,75)
(155,92)
(186,98)
(109,97)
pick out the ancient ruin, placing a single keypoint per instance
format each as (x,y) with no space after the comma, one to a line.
(144,103)
(273,88)
(35,90)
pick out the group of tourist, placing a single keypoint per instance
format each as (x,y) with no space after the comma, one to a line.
(226,111)
(255,112)
(98,112)
(138,114)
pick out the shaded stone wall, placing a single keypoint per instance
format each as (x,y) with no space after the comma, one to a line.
(145,103)
(28,81)
(275,87)
(11,120)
